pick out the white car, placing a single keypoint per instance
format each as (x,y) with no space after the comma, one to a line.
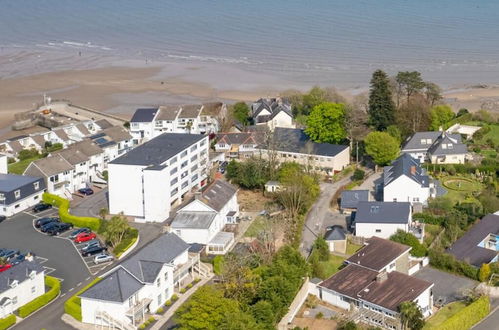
(103,258)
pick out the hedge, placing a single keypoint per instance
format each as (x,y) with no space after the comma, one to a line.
(7,322)
(130,238)
(63,205)
(39,302)
(449,263)
(72,306)
(468,316)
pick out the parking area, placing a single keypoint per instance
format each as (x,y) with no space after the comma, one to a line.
(448,287)
(59,255)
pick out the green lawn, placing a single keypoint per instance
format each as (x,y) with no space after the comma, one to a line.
(443,314)
(332,266)
(459,188)
(352,248)
(256,227)
(493,134)
(20,166)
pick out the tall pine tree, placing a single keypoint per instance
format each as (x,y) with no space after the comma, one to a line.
(381,107)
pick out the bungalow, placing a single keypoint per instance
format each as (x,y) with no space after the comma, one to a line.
(436,147)
(273,112)
(382,219)
(139,285)
(203,220)
(350,199)
(405,181)
(19,192)
(480,244)
(19,285)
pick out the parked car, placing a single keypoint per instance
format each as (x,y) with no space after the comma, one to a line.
(17,259)
(100,258)
(84,237)
(86,191)
(43,221)
(49,226)
(79,231)
(94,250)
(5,267)
(60,227)
(41,207)
(8,254)
(2,218)
(90,244)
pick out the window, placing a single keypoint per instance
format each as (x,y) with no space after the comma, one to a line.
(194,147)
(394,199)
(194,178)
(135,125)
(174,181)
(2,197)
(195,167)
(17,206)
(202,143)
(184,184)
(36,197)
(183,175)
(444,146)
(378,230)
(33,289)
(193,158)
(184,164)
(392,265)
(428,141)
(36,185)
(173,171)
(174,192)
(166,279)
(184,154)
(17,193)
(221,145)
(178,232)
(450,146)
(423,141)
(173,160)
(158,282)
(415,199)
(159,299)
(166,293)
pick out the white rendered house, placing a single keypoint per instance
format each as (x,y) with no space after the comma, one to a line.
(149,180)
(57,173)
(19,192)
(273,112)
(382,219)
(436,147)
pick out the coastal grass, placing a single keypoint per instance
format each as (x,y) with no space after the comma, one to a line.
(20,166)
(333,265)
(443,314)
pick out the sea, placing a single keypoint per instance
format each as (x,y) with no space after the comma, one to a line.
(325,42)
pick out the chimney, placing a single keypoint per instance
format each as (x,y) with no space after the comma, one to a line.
(413,170)
(197,195)
(381,277)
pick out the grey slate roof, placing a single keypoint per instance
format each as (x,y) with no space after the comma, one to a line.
(236,138)
(453,144)
(408,166)
(18,273)
(87,147)
(158,150)
(350,198)
(117,286)
(73,156)
(193,220)
(82,129)
(466,248)
(9,183)
(144,115)
(337,233)
(295,140)
(218,194)
(383,212)
(414,142)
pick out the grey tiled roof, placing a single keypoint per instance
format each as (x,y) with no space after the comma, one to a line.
(117,286)
(49,166)
(168,112)
(295,140)
(117,133)
(414,142)
(18,273)
(190,111)
(16,146)
(218,194)
(39,139)
(159,149)
(103,123)
(82,129)
(73,156)
(61,134)
(383,212)
(144,115)
(446,139)
(350,198)
(193,220)
(466,248)
(87,147)
(408,166)
(337,233)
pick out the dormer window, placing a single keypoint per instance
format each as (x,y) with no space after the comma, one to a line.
(444,146)
(17,194)
(423,141)
(36,185)
(450,146)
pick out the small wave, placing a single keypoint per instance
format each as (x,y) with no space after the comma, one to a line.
(241,60)
(84,45)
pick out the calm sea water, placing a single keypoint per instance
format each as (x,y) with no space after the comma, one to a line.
(311,40)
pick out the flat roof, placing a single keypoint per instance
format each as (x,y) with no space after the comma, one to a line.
(193,220)
(350,198)
(378,253)
(222,238)
(159,149)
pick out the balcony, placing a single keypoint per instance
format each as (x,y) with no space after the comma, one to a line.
(417,229)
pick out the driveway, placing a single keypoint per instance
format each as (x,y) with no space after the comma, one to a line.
(370,184)
(90,206)
(447,286)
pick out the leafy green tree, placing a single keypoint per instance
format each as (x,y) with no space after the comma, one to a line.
(350,325)
(206,309)
(239,320)
(462,112)
(250,174)
(263,314)
(232,171)
(484,273)
(218,265)
(358,174)
(320,245)
(382,147)
(381,108)
(409,83)
(433,93)
(326,123)
(411,316)
(440,116)
(394,131)
(418,249)
(116,229)
(27,153)
(241,112)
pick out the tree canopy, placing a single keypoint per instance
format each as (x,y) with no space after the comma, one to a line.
(440,115)
(326,123)
(418,249)
(250,174)
(411,316)
(382,147)
(241,112)
(409,83)
(381,108)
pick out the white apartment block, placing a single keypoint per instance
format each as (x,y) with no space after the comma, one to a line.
(147,123)
(149,180)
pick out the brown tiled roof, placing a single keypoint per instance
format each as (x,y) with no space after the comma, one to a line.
(73,156)
(49,166)
(218,194)
(236,138)
(61,134)
(117,133)
(82,129)
(393,291)
(190,111)
(16,146)
(103,124)
(378,253)
(39,139)
(350,280)
(168,112)
(87,147)
(212,108)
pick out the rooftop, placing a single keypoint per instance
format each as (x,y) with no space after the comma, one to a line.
(350,198)
(18,273)
(144,115)
(378,253)
(11,182)
(337,233)
(193,220)
(383,212)
(408,166)
(168,112)
(159,149)
(190,111)
(218,194)
(49,166)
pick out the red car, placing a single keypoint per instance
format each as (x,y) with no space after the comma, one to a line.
(4,267)
(83,237)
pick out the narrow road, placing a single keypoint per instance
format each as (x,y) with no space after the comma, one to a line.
(320,211)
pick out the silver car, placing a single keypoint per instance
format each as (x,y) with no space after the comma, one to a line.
(101,258)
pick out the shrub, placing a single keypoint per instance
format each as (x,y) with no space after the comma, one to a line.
(182,290)
(319,315)
(160,310)
(63,205)
(130,237)
(449,263)
(26,154)
(168,303)
(218,264)
(142,326)
(7,321)
(197,280)
(72,306)
(358,174)
(484,273)
(418,249)
(468,316)
(428,218)
(174,298)
(189,285)
(44,299)
(151,319)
